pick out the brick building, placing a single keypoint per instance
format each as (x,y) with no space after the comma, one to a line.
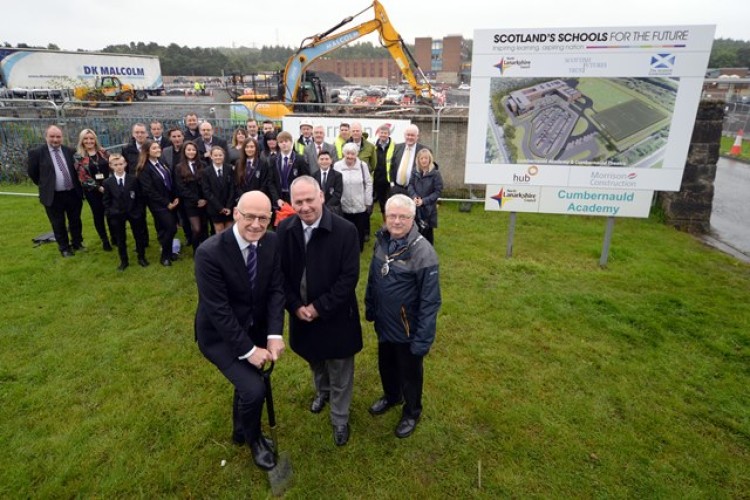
(444,60)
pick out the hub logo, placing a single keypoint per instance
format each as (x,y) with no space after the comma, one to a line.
(526,177)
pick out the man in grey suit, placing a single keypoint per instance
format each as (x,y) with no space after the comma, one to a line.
(51,167)
(313,150)
(320,265)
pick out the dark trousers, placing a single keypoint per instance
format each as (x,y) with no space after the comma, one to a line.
(249,395)
(66,204)
(360,221)
(380,194)
(184,220)
(429,234)
(166,228)
(117,224)
(401,375)
(94,199)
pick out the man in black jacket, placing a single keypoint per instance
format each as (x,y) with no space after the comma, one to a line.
(240,315)
(51,167)
(320,264)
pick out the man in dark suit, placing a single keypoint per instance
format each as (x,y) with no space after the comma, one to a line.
(404,161)
(191,127)
(207,140)
(157,134)
(51,167)
(331,182)
(313,150)
(240,315)
(320,264)
(133,149)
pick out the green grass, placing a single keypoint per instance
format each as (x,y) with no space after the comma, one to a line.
(726,147)
(561,378)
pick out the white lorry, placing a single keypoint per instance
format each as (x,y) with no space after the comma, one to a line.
(38,71)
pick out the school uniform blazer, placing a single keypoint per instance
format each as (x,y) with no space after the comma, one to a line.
(153,187)
(231,317)
(126,202)
(218,195)
(331,264)
(41,170)
(261,180)
(298,169)
(333,189)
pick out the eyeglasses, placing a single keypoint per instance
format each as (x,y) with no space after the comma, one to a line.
(262,219)
(398,217)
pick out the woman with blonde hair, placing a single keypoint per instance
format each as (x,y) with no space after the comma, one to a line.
(92,166)
(425,187)
(238,142)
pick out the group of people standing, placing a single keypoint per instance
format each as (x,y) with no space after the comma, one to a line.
(192,178)
(247,275)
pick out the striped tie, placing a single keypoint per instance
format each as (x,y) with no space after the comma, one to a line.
(252,264)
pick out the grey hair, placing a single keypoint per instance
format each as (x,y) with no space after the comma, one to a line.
(350,147)
(403,201)
(305,179)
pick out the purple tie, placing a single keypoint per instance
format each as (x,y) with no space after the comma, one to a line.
(67,182)
(252,264)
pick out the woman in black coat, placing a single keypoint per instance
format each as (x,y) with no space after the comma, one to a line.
(187,175)
(92,166)
(218,190)
(252,173)
(158,187)
(425,187)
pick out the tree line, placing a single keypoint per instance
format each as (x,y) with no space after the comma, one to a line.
(176,60)
(199,61)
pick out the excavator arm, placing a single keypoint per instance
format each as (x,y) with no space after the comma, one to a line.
(317,46)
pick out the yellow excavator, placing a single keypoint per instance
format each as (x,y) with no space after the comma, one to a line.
(273,96)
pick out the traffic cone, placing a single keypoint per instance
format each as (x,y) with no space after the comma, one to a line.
(737,146)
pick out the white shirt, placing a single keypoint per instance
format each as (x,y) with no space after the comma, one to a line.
(244,246)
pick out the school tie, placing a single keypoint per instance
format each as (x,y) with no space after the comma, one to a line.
(325,177)
(252,264)
(220,176)
(63,167)
(121,183)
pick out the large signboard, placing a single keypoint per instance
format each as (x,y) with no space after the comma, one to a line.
(370,126)
(568,200)
(601,108)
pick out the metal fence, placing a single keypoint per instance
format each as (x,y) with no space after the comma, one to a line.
(23,122)
(736,118)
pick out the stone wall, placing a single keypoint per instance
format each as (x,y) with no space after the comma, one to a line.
(690,208)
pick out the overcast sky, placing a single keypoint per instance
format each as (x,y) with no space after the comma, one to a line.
(94,24)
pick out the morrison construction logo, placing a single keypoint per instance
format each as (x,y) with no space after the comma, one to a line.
(509,62)
(662,64)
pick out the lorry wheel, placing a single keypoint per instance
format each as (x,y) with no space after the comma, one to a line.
(140,95)
(126,97)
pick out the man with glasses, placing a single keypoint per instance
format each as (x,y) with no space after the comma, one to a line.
(320,263)
(240,315)
(403,299)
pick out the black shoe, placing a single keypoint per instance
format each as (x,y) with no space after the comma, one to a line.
(78,246)
(381,406)
(67,253)
(122,266)
(263,454)
(143,262)
(174,256)
(238,438)
(319,403)
(406,427)
(166,262)
(106,246)
(340,434)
